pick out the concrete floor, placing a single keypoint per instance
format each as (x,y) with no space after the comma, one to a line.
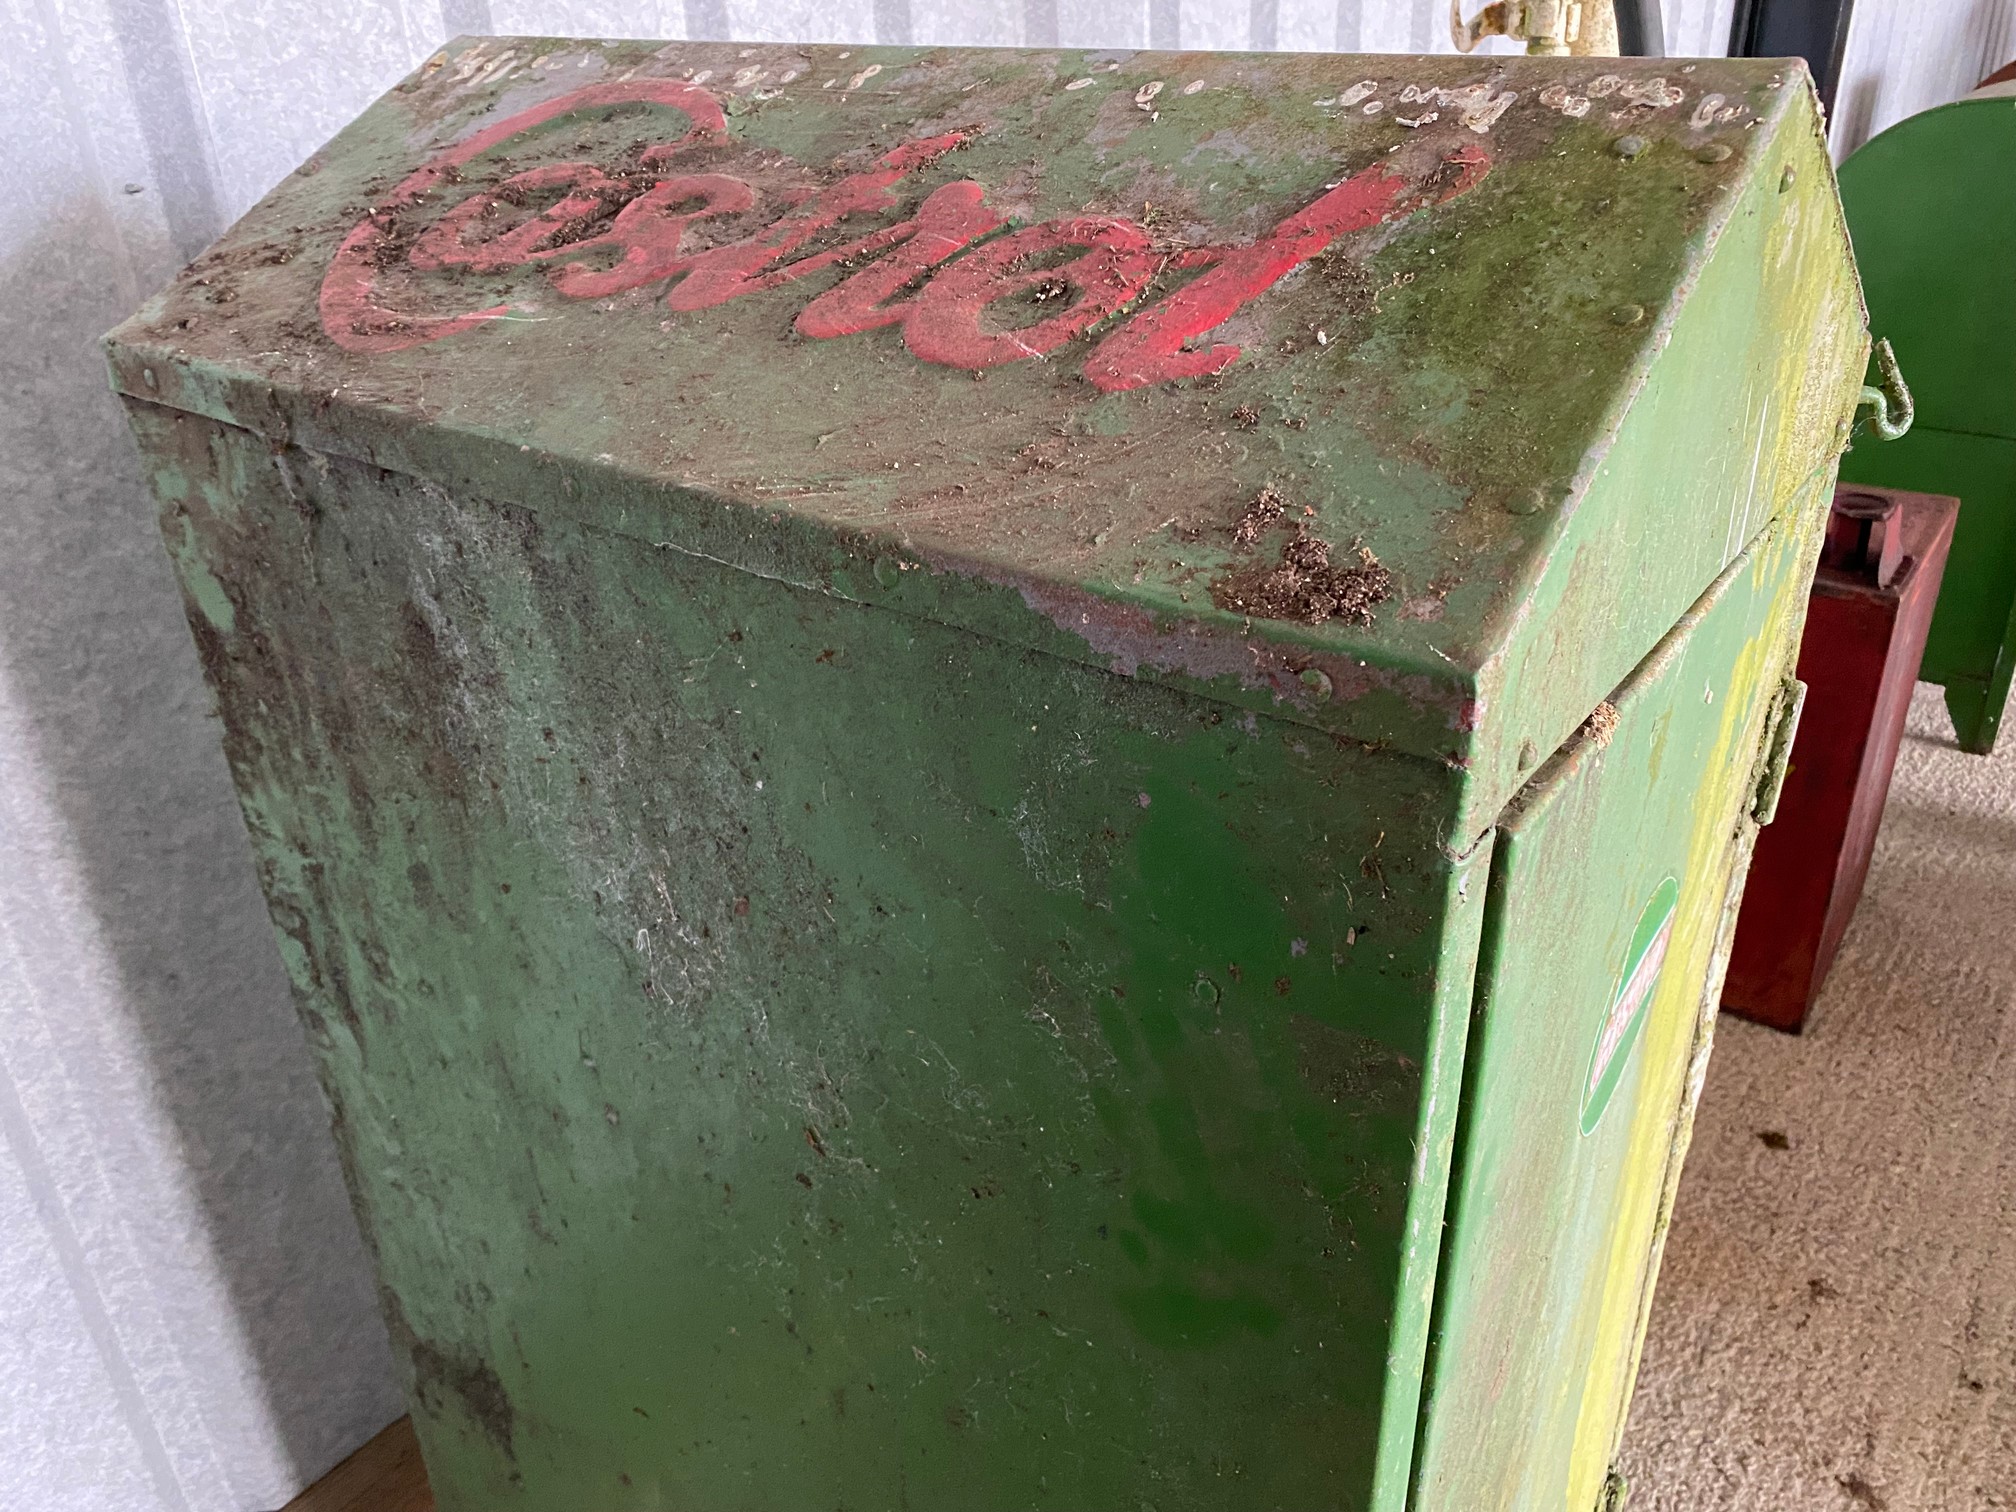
(1835,1326)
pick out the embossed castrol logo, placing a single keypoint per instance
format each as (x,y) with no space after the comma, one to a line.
(1624,1021)
(932,267)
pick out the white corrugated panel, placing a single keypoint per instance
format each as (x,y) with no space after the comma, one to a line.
(1904,58)
(189,1322)
(1697,28)
(960,23)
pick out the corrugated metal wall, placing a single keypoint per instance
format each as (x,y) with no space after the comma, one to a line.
(214,100)
(1901,58)
(187,1316)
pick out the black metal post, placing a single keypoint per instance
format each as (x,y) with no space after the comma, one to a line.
(1641,32)
(1816,30)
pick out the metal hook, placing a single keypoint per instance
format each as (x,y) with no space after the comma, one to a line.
(1890,408)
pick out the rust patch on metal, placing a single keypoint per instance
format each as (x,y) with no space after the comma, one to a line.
(1130,638)
(445,1373)
(439,1372)
(1601,725)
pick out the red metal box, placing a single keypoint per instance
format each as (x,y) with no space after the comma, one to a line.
(1865,632)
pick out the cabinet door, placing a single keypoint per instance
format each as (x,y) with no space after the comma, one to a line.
(1604,944)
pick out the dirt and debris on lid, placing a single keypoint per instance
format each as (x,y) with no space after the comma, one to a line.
(1266,508)
(1601,725)
(1304,585)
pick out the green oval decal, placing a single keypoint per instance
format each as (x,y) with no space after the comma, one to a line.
(1624,1019)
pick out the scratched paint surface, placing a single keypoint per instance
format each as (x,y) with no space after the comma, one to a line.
(750,1109)
(846,972)
(1554,1228)
(1412,297)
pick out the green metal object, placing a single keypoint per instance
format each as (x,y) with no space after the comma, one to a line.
(1934,222)
(1008,779)
(1546,1277)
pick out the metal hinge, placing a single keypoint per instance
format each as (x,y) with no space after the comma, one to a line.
(1780,730)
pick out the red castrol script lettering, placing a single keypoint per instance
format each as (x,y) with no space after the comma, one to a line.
(934,273)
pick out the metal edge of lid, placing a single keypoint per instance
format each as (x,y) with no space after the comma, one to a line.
(1810,423)
(1426,710)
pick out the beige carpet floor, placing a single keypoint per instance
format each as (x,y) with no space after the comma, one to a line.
(1835,1329)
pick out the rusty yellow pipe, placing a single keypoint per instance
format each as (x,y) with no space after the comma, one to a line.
(1583,28)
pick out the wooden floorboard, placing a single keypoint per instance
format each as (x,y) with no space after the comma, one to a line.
(384,1476)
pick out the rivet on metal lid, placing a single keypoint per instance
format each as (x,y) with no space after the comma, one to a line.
(1628,147)
(1716,152)
(1788,178)
(1627,315)
(1317,681)
(1526,501)
(888,571)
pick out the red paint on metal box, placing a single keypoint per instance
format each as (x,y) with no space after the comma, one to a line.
(944,315)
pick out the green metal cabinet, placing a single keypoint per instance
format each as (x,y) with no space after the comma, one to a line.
(1934,224)
(1011,779)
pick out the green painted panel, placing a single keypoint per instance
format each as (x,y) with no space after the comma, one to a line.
(1728,431)
(793,1055)
(1968,649)
(1600,971)
(1934,226)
